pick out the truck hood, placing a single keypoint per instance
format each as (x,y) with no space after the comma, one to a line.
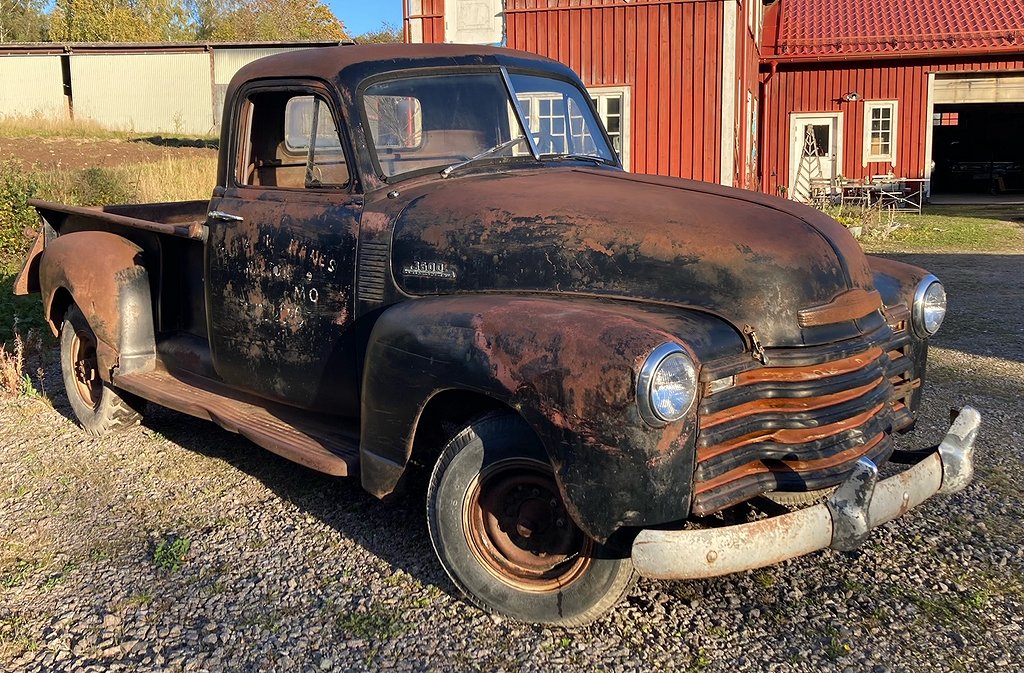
(757,261)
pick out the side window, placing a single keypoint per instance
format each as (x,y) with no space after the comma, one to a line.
(290,140)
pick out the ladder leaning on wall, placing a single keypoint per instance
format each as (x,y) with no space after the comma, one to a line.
(808,169)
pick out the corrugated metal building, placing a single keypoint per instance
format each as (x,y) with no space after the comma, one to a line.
(167,92)
(148,88)
(32,84)
(921,89)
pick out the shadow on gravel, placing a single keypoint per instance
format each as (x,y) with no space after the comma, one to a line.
(986,302)
(395,530)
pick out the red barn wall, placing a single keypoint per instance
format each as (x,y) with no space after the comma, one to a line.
(818,87)
(668,52)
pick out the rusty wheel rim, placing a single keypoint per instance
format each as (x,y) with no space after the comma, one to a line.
(86,368)
(518,529)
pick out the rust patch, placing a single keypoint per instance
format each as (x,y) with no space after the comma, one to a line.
(786,404)
(850,305)
(788,466)
(789,435)
(811,372)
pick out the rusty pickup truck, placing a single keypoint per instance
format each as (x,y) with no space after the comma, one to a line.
(431,256)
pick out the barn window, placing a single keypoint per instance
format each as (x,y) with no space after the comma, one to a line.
(612,105)
(880,131)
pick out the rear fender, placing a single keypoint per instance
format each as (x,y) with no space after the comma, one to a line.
(105,277)
(27,281)
(568,367)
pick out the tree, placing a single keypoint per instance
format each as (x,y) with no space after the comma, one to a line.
(273,20)
(203,16)
(119,21)
(388,32)
(22,20)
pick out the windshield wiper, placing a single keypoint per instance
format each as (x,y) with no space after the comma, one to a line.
(579,157)
(497,148)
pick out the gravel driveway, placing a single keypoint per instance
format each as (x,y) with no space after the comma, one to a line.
(289,570)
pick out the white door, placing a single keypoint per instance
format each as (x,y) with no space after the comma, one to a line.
(815,151)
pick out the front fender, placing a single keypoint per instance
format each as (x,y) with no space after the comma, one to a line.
(897,282)
(105,277)
(569,367)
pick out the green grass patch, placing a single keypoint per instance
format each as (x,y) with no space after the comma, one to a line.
(17,573)
(25,313)
(170,553)
(15,635)
(372,623)
(996,228)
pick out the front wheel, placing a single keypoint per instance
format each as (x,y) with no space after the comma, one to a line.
(99,407)
(500,528)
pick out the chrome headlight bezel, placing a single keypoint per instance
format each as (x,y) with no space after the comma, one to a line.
(919,319)
(649,410)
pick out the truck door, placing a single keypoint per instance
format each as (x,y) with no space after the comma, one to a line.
(281,253)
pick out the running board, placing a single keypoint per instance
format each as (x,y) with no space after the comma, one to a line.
(290,433)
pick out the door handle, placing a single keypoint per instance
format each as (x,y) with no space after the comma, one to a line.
(221,215)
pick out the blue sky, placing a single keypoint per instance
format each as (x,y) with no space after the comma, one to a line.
(360,16)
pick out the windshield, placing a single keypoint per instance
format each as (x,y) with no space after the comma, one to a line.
(443,120)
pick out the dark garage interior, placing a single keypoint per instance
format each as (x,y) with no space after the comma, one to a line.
(978,148)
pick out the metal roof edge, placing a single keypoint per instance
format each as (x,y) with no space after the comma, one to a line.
(917,54)
(14,48)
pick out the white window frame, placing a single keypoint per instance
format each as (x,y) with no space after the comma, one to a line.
(533,116)
(869,108)
(603,93)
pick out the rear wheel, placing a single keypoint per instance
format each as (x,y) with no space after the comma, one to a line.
(502,533)
(99,407)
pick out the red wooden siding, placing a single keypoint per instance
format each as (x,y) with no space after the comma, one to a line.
(668,52)
(818,88)
(748,57)
(430,17)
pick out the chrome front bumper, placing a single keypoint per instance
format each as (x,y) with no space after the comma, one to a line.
(843,521)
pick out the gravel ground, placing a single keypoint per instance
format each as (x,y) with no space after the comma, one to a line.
(290,570)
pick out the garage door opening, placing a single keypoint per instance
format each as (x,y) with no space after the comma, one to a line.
(978,148)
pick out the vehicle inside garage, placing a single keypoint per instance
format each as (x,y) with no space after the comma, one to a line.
(978,148)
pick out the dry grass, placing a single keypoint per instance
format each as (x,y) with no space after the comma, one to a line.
(165,180)
(12,369)
(42,126)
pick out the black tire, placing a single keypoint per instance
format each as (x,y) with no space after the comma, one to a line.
(99,407)
(499,527)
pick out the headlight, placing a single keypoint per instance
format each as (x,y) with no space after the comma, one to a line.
(667,385)
(929,306)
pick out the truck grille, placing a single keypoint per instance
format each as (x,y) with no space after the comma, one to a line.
(797,425)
